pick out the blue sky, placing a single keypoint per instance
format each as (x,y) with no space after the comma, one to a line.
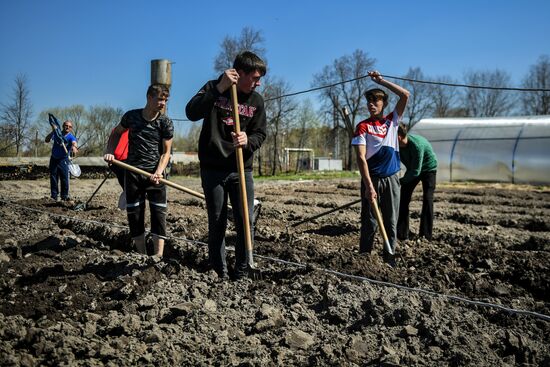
(99,52)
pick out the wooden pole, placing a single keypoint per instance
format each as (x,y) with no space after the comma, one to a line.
(162,180)
(381,227)
(242,182)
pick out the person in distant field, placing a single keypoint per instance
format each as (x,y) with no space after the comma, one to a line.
(149,142)
(217,144)
(59,160)
(418,156)
(377,150)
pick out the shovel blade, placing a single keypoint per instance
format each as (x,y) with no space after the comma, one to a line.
(388,248)
(252,271)
(74,169)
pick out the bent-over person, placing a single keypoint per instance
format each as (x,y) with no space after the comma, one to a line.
(417,155)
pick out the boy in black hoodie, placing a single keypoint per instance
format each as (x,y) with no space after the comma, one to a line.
(217,143)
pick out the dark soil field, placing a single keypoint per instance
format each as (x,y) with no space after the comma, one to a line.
(74,293)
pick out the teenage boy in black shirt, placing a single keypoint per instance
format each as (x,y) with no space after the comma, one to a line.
(149,142)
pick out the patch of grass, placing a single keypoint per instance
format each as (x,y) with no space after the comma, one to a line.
(310,175)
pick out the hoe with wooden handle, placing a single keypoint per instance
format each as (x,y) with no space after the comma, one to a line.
(253,272)
(84,206)
(176,186)
(162,180)
(387,246)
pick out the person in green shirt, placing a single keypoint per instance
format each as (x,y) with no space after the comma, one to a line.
(417,155)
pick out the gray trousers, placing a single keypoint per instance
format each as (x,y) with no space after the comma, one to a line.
(388,191)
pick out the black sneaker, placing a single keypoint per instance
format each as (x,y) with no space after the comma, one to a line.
(239,275)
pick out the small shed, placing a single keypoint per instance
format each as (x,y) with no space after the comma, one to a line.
(327,164)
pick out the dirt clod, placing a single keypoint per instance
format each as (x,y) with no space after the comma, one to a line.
(75,292)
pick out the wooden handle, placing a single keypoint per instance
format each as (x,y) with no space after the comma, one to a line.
(387,246)
(325,213)
(162,180)
(240,167)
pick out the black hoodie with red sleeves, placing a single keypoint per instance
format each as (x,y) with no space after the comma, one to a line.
(216,149)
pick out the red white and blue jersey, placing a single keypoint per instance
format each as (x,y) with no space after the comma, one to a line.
(380,138)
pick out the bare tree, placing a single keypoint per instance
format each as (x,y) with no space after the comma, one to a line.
(16,115)
(279,113)
(306,123)
(487,102)
(77,114)
(537,103)
(74,113)
(420,102)
(190,142)
(445,98)
(249,40)
(348,67)
(306,120)
(322,140)
(101,120)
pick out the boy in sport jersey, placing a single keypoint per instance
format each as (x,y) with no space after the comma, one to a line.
(149,142)
(377,148)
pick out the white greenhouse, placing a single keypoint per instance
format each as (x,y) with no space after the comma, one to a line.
(495,149)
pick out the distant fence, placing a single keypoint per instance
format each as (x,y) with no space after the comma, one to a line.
(85,161)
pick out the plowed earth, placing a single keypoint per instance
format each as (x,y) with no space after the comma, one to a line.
(73,292)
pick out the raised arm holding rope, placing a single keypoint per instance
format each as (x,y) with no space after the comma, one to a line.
(377,150)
